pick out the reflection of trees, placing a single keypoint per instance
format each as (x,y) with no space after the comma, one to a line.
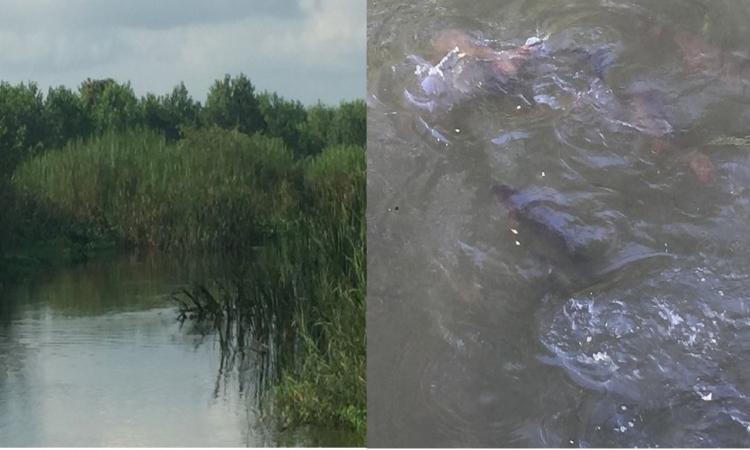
(110,284)
(14,375)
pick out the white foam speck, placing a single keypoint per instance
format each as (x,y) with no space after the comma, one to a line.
(600,356)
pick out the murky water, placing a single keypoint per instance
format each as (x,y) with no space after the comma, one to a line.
(557,212)
(93,356)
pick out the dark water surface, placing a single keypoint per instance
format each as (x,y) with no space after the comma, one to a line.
(558,256)
(93,356)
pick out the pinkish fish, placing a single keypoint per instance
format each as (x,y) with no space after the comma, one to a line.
(701,166)
(729,68)
(506,62)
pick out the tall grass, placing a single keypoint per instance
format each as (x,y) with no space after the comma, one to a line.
(324,261)
(301,300)
(214,190)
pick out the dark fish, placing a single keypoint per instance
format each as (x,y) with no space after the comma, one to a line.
(648,115)
(581,256)
(545,220)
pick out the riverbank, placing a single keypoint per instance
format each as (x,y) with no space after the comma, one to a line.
(291,185)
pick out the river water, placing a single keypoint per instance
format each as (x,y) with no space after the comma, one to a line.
(558,208)
(93,355)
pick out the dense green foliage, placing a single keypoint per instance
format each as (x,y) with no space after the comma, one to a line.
(214,189)
(31,121)
(22,124)
(275,186)
(326,255)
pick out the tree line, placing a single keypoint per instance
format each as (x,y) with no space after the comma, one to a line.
(31,122)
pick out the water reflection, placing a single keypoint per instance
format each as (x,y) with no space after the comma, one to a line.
(94,355)
(556,196)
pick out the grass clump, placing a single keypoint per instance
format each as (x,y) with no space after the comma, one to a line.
(214,190)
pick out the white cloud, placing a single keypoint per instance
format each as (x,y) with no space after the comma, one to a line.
(322,41)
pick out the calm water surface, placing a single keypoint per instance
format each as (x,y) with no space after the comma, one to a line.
(558,256)
(93,356)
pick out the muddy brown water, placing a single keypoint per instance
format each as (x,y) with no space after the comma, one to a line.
(483,333)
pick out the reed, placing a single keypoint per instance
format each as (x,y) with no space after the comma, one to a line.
(300,300)
(214,190)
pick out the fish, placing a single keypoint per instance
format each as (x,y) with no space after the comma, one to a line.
(701,166)
(582,256)
(467,69)
(506,62)
(731,69)
(649,116)
(560,231)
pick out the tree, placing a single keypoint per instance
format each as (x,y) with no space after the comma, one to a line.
(91,90)
(171,113)
(316,129)
(284,119)
(22,128)
(231,103)
(112,106)
(182,110)
(349,125)
(65,116)
(154,114)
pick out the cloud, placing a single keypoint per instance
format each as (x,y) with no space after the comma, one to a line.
(151,14)
(280,45)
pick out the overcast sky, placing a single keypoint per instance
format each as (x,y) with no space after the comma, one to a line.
(302,49)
